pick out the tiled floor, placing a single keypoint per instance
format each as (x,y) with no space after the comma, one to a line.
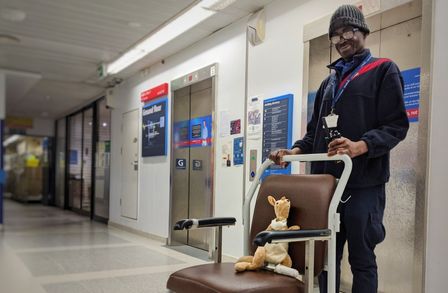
(45,249)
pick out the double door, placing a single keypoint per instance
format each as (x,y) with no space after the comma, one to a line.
(80,161)
(83,161)
(192,163)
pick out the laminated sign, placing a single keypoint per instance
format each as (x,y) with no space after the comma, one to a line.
(154,129)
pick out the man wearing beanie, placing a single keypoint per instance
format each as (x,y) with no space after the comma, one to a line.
(365,95)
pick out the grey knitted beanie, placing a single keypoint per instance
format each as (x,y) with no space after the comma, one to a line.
(348,15)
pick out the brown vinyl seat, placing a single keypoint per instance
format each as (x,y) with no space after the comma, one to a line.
(310,197)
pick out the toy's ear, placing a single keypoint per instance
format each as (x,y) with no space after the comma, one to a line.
(283,198)
(271,200)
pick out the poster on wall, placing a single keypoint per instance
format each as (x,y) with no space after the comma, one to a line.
(2,172)
(181,132)
(196,132)
(226,153)
(235,126)
(254,119)
(154,133)
(310,105)
(201,131)
(238,151)
(73,157)
(277,129)
(411,78)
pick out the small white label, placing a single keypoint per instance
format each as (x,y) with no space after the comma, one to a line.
(332,121)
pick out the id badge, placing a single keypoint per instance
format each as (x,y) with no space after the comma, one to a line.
(331,120)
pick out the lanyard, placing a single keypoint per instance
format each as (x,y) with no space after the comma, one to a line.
(355,72)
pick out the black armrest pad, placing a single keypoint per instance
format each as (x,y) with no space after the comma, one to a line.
(206,222)
(267,236)
(218,221)
(183,224)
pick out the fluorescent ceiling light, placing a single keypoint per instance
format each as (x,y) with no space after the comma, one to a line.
(179,25)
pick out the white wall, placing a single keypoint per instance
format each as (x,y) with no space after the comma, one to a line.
(437,216)
(225,48)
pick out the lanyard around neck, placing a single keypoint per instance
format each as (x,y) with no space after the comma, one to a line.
(337,94)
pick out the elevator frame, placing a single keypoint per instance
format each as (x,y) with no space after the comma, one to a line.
(187,80)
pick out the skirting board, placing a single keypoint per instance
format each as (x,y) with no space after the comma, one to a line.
(138,232)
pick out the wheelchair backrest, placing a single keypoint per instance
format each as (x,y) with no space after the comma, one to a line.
(310,197)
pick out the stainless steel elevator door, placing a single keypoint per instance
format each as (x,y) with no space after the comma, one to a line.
(200,200)
(192,195)
(181,177)
(399,40)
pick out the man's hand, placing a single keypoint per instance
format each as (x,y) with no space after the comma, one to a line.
(277,156)
(344,146)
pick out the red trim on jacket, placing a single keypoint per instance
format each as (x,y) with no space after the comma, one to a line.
(365,69)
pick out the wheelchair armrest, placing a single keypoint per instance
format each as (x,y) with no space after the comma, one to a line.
(291,236)
(202,223)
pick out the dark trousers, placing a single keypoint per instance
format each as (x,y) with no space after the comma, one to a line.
(362,228)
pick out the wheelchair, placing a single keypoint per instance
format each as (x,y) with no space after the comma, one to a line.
(314,201)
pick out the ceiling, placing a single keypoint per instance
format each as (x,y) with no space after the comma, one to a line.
(62,42)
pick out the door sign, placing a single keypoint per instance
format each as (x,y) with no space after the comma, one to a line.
(197,165)
(201,131)
(196,132)
(154,135)
(181,164)
(238,158)
(411,78)
(277,129)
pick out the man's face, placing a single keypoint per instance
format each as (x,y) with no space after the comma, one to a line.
(349,47)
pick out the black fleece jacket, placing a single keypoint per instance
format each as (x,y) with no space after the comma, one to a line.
(370,109)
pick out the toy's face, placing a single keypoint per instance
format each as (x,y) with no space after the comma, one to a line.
(281,207)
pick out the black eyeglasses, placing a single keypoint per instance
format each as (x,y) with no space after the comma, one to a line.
(347,35)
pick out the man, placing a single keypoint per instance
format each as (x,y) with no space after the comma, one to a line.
(365,95)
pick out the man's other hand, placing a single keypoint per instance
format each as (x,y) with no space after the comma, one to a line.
(344,146)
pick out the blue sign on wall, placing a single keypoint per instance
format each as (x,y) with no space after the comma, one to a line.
(73,157)
(201,131)
(154,125)
(2,177)
(238,148)
(310,105)
(411,78)
(277,129)
(181,134)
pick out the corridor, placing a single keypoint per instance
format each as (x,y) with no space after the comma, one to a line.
(45,249)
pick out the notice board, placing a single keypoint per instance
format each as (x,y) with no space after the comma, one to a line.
(154,128)
(277,129)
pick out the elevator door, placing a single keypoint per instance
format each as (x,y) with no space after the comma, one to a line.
(400,41)
(192,184)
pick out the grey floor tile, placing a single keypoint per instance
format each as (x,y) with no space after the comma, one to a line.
(148,283)
(66,288)
(93,260)
(62,239)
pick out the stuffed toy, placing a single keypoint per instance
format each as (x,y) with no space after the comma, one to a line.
(271,253)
